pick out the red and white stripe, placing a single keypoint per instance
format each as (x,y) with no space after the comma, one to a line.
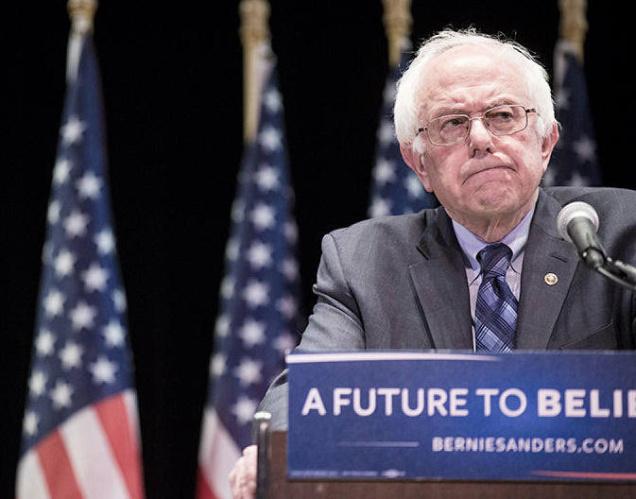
(93,455)
(217,455)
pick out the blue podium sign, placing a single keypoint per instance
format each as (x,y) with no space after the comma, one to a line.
(462,416)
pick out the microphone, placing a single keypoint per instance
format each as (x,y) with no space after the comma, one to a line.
(577,222)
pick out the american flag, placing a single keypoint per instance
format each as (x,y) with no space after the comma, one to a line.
(80,430)
(259,310)
(574,158)
(396,189)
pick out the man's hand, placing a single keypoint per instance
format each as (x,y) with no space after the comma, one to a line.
(243,475)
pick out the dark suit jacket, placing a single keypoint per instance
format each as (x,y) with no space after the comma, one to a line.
(400,283)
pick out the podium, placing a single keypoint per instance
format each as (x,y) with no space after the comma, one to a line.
(406,425)
(280,487)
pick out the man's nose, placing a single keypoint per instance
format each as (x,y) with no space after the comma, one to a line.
(479,138)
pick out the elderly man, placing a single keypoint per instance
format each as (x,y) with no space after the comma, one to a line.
(487,270)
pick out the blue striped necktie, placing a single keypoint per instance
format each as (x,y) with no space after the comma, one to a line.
(496,308)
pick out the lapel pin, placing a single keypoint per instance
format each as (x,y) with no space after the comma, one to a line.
(550,279)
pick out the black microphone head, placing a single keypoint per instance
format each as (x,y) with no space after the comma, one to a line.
(574,210)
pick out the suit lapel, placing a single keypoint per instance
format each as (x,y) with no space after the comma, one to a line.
(440,283)
(545,253)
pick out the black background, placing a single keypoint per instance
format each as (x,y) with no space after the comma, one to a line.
(172,79)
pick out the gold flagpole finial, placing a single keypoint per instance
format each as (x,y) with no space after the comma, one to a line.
(254,19)
(82,13)
(397,24)
(573,26)
(254,33)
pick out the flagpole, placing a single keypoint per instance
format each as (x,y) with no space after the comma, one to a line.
(397,25)
(258,315)
(573,25)
(81,398)
(254,33)
(395,188)
(573,161)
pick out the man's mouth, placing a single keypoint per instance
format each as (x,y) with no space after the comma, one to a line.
(487,169)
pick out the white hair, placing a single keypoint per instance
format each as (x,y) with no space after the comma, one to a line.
(412,80)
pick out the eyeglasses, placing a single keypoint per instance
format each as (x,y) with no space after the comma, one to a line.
(499,120)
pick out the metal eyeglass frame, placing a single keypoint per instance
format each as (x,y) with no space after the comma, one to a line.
(470,120)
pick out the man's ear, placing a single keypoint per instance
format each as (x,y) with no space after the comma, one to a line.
(416,162)
(548,144)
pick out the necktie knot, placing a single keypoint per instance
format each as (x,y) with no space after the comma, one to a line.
(494,260)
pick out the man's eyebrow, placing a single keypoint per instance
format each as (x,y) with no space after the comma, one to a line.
(448,110)
(502,100)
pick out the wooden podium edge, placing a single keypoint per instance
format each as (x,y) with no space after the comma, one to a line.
(280,487)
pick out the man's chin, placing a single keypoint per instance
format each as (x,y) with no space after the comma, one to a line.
(495,200)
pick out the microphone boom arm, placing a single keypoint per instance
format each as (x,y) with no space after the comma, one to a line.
(619,272)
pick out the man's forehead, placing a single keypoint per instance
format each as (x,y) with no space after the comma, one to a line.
(465,74)
(440,107)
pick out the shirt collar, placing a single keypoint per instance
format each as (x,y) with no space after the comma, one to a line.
(471,244)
